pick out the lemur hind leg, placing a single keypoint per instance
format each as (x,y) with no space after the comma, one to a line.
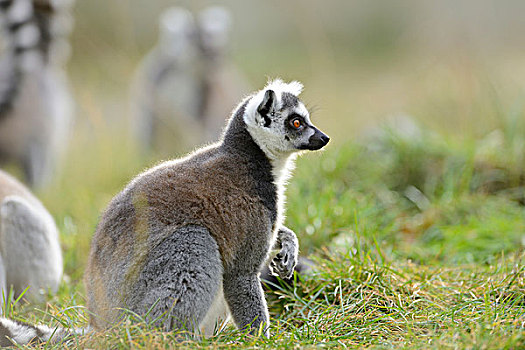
(182,275)
(29,248)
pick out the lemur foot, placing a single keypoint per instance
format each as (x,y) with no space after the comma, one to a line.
(270,282)
(284,262)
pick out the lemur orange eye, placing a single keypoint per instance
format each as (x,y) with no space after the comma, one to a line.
(296,123)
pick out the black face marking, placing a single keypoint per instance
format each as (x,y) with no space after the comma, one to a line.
(289,126)
(317,141)
(286,138)
(266,107)
(13,27)
(21,49)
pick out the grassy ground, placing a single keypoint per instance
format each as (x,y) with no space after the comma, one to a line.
(414,245)
(417,235)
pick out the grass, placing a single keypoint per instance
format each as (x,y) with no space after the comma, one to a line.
(418,236)
(440,265)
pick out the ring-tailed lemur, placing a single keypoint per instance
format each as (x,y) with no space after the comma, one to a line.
(30,254)
(35,103)
(186,85)
(184,242)
(165,88)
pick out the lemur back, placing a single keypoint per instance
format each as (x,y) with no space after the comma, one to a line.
(35,103)
(186,240)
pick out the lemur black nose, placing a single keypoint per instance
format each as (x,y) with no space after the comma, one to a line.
(317,141)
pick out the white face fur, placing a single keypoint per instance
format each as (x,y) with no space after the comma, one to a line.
(280,123)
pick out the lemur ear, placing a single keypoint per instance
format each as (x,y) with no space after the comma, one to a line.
(268,105)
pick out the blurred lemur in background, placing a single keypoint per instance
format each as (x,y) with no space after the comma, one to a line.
(30,254)
(35,102)
(186,85)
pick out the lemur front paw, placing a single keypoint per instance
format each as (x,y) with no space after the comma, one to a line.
(284,262)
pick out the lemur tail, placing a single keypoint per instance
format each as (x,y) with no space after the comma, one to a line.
(20,333)
(35,33)
(21,36)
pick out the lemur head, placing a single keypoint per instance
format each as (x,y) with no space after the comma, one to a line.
(177,33)
(280,123)
(214,31)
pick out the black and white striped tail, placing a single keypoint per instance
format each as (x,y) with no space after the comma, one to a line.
(20,333)
(21,37)
(35,32)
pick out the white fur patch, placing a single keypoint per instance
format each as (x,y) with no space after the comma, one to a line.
(282,171)
(28,35)
(272,144)
(21,334)
(30,247)
(217,316)
(279,86)
(20,11)
(301,110)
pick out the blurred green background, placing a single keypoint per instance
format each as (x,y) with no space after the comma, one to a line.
(456,68)
(361,61)
(440,189)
